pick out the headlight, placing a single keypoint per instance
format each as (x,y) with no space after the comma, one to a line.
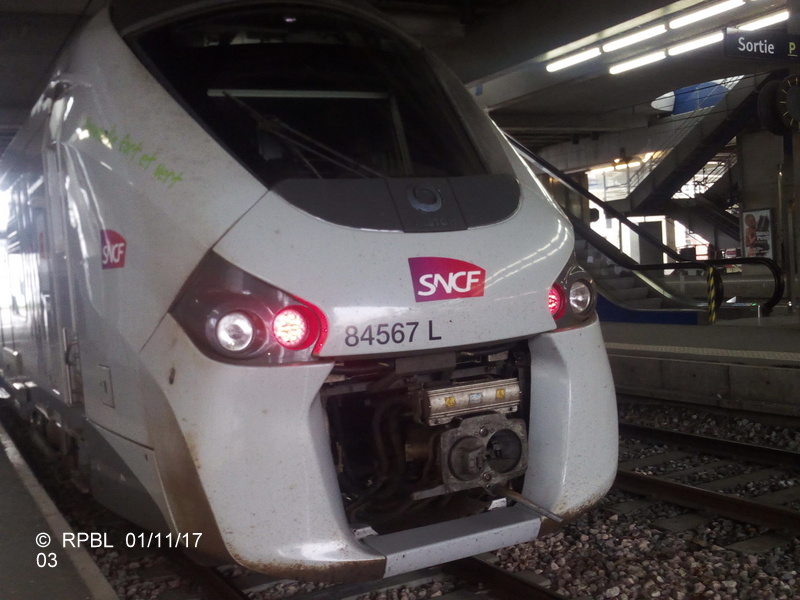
(580,296)
(234,317)
(236,331)
(572,298)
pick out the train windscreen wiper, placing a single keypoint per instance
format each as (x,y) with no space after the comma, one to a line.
(299,143)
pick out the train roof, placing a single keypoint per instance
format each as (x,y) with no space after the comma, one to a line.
(130,16)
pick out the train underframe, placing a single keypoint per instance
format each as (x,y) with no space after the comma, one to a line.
(429,438)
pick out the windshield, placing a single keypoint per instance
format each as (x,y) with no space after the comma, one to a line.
(306,93)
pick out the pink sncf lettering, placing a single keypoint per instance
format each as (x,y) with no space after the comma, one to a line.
(438,278)
(113,249)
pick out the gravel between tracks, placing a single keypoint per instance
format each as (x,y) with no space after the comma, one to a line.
(751,430)
(606,555)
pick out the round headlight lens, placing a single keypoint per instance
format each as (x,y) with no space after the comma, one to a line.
(236,331)
(580,296)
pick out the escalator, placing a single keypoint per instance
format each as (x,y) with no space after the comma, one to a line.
(642,280)
(711,130)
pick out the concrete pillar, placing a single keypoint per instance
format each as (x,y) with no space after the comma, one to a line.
(788,234)
(570,201)
(761,161)
(765,171)
(648,253)
(767,167)
(792,200)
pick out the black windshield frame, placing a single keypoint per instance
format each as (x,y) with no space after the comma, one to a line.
(226,66)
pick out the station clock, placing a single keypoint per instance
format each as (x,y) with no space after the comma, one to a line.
(788,99)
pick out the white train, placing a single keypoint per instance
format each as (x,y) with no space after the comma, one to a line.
(276,280)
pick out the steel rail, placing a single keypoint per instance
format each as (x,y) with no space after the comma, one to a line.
(730,507)
(749,510)
(496,582)
(749,452)
(208,579)
(501,583)
(353,590)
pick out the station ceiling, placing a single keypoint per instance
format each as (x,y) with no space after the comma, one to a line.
(499,48)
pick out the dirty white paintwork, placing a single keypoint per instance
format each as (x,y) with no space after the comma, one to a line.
(573,427)
(336,269)
(130,160)
(112,136)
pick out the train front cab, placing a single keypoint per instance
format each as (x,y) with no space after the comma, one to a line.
(367,475)
(418,247)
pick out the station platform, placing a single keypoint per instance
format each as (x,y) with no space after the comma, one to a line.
(749,364)
(30,568)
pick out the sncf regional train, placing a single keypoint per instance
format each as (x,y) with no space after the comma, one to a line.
(277,281)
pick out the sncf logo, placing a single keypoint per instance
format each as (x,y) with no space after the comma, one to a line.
(437,278)
(113,249)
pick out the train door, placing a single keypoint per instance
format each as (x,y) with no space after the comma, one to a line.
(41,289)
(65,253)
(27,343)
(19,352)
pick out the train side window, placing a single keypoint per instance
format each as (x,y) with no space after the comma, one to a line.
(19,234)
(18,231)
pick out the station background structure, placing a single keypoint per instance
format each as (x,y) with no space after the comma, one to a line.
(597,113)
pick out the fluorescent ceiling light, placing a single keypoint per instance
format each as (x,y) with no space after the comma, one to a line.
(631,165)
(600,170)
(705,13)
(638,62)
(573,60)
(634,38)
(696,43)
(766,21)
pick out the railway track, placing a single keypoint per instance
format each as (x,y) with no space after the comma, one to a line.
(741,482)
(467,579)
(151,573)
(672,457)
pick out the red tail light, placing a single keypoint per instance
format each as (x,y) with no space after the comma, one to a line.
(232,316)
(556,301)
(294,327)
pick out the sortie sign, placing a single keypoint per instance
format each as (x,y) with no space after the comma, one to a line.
(765,45)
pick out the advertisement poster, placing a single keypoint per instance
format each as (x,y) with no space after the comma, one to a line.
(757,232)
